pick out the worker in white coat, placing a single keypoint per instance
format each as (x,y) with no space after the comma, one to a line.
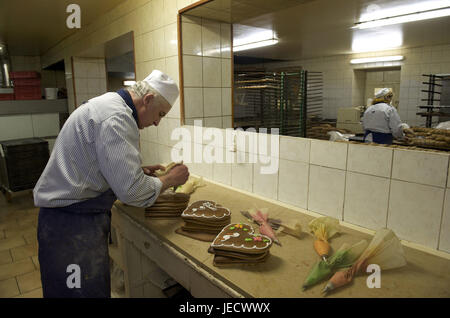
(381,121)
(96,159)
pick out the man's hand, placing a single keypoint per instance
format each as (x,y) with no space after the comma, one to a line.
(150,170)
(178,175)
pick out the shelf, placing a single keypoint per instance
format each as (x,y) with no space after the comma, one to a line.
(37,106)
(433,114)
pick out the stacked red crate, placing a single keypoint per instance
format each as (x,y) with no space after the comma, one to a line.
(27,85)
(6,96)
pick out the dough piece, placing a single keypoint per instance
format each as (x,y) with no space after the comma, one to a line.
(159,173)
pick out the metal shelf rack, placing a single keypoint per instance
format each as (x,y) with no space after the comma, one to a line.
(280,99)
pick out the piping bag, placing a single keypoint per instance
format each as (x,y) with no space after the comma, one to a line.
(261,217)
(323,229)
(344,257)
(385,250)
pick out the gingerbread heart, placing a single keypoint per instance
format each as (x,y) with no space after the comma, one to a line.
(206,209)
(240,237)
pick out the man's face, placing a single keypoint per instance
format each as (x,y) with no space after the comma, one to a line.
(153,111)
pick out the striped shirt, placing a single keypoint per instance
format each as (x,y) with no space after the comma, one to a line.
(96,150)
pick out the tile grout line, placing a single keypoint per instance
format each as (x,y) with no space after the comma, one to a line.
(345,183)
(390,183)
(442,212)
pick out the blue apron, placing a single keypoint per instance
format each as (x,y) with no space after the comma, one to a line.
(76,235)
(379,138)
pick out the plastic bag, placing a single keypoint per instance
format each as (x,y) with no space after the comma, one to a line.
(324,227)
(443,125)
(385,250)
(336,136)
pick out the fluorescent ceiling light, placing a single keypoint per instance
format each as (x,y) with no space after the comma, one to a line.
(129,83)
(366,41)
(249,37)
(254,45)
(377,59)
(377,17)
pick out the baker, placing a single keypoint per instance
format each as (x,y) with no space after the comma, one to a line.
(381,121)
(95,160)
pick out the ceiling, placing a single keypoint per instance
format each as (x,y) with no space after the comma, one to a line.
(313,28)
(32,27)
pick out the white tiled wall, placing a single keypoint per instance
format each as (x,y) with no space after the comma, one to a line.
(444,240)
(420,167)
(326,191)
(16,127)
(207,71)
(28,126)
(293,187)
(376,161)
(324,153)
(415,212)
(366,200)
(45,125)
(90,78)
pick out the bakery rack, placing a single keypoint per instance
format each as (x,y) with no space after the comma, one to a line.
(433,107)
(279,99)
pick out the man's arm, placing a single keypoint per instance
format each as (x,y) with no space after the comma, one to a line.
(120,164)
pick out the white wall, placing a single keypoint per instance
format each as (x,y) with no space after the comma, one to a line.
(30,125)
(90,78)
(207,72)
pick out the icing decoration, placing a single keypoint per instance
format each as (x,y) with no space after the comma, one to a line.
(206,209)
(245,240)
(228,236)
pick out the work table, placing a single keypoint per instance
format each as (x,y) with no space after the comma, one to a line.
(282,275)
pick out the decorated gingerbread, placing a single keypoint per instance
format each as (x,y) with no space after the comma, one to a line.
(206,210)
(240,237)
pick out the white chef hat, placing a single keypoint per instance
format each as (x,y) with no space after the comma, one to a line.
(384,92)
(162,83)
